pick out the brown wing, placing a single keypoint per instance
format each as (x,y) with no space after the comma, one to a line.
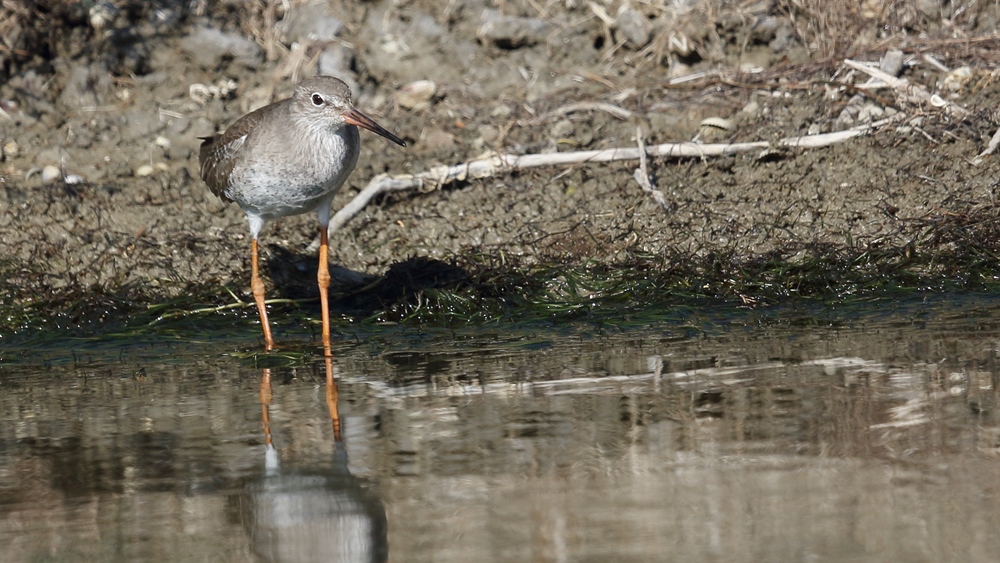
(217,164)
(219,154)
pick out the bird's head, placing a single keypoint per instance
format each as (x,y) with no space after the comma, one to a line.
(329,99)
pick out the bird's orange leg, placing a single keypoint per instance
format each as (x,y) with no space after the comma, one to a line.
(257,286)
(323,277)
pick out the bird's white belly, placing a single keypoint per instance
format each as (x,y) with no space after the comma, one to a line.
(274,185)
(273,194)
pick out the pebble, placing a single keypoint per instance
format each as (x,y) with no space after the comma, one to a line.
(209,47)
(416,95)
(563,129)
(87,86)
(784,39)
(150,169)
(488,134)
(311,22)
(101,14)
(501,112)
(752,109)
(956,79)
(511,32)
(50,174)
(870,112)
(434,139)
(765,29)
(335,60)
(635,27)
(11,150)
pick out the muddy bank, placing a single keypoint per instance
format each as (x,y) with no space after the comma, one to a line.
(100,195)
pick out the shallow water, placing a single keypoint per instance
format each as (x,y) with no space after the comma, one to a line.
(874,437)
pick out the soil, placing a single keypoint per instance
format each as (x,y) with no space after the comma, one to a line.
(114,96)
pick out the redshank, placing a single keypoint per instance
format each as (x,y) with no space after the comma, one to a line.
(287,158)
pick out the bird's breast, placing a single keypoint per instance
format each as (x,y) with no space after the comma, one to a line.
(279,179)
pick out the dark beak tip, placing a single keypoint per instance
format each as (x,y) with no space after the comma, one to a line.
(391,137)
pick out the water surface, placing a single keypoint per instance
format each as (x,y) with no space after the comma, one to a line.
(871,438)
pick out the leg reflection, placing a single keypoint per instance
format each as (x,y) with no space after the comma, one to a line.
(332,396)
(265,406)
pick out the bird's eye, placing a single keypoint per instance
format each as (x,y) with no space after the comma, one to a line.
(317,100)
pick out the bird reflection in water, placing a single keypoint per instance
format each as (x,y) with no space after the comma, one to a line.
(314,515)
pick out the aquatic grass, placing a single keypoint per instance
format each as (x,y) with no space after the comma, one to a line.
(948,252)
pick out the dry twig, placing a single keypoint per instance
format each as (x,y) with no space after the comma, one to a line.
(909,91)
(488,166)
(990,148)
(620,113)
(641,174)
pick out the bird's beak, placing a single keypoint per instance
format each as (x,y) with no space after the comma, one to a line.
(355,117)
